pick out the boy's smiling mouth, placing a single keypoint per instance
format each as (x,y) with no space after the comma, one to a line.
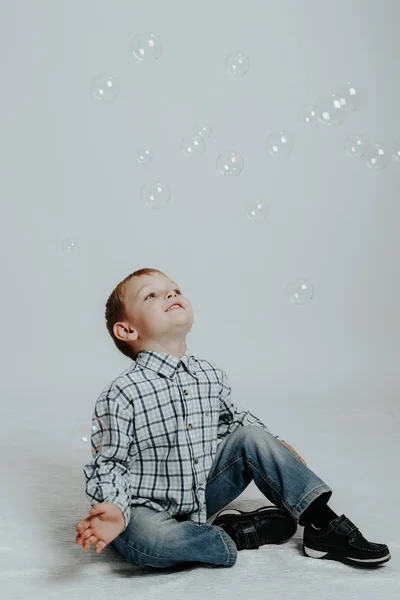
(175,305)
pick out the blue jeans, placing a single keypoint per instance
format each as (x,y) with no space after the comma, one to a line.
(154,538)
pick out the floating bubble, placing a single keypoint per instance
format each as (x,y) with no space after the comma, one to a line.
(308,116)
(95,434)
(349,96)
(202,131)
(237,64)
(146,47)
(104,88)
(300,292)
(155,194)
(193,146)
(256,210)
(230,163)
(69,245)
(396,151)
(330,110)
(377,157)
(356,145)
(279,143)
(144,155)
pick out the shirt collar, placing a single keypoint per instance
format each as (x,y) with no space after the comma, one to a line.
(165,364)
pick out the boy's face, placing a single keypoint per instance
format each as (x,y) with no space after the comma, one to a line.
(148,299)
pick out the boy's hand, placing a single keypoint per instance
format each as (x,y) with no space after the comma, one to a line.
(104,523)
(293,450)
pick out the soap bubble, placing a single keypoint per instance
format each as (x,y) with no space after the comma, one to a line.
(256,210)
(230,163)
(144,155)
(349,96)
(95,434)
(146,47)
(300,292)
(69,245)
(396,151)
(279,143)
(202,131)
(104,88)
(237,64)
(356,145)
(308,116)
(378,157)
(193,146)
(155,194)
(330,110)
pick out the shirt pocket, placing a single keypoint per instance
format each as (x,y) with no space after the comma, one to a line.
(211,405)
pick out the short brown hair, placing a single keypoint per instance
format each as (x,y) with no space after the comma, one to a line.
(115,309)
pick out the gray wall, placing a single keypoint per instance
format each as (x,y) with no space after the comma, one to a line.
(69,169)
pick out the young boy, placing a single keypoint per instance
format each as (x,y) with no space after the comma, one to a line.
(172,450)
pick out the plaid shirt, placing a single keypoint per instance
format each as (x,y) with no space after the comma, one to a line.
(158,427)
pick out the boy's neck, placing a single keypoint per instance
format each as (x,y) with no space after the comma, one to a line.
(174,348)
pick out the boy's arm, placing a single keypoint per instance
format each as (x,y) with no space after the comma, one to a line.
(107,475)
(232,416)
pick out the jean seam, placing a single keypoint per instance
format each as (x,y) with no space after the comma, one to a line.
(265,477)
(239,457)
(298,505)
(224,467)
(294,508)
(230,555)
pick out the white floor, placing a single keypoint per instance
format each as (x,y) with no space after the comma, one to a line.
(42,499)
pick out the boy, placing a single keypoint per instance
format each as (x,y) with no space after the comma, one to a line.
(173,450)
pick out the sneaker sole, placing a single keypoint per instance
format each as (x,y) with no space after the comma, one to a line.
(365,562)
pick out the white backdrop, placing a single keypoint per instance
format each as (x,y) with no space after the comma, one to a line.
(323,375)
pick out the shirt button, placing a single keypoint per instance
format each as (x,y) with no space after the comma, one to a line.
(196,460)
(190,426)
(186,392)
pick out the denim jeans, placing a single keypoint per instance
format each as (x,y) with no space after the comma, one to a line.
(154,538)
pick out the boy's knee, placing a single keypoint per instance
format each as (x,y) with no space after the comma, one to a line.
(252,434)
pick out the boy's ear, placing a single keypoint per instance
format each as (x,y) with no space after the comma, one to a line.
(124,332)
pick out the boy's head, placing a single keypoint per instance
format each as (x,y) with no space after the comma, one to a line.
(137,315)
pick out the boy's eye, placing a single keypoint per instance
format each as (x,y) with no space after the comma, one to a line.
(153,293)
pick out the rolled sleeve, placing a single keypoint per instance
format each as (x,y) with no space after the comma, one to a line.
(107,475)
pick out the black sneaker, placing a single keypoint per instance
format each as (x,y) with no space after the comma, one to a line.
(267,525)
(342,540)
